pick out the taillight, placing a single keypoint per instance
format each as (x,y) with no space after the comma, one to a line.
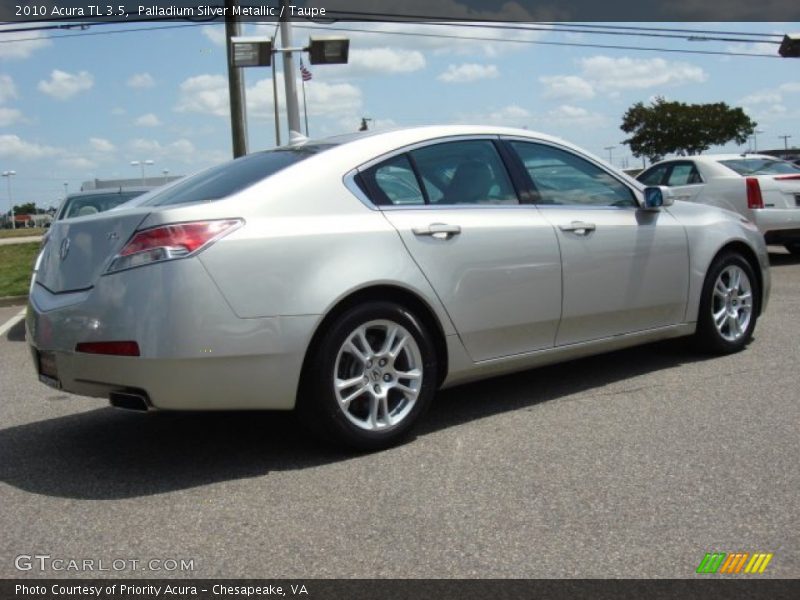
(114,348)
(168,242)
(787,177)
(754,199)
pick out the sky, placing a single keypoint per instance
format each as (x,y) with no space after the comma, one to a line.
(82,107)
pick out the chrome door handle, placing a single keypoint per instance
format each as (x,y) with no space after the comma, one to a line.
(441,231)
(578,228)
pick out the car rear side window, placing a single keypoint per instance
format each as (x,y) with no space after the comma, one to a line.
(683,174)
(561,177)
(469,172)
(231,177)
(761,166)
(653,176)
(393,182)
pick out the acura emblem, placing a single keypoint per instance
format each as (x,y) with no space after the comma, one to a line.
(64,250)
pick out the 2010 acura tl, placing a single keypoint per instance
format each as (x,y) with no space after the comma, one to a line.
(351,277)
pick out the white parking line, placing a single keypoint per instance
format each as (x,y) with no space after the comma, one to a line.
(11,322)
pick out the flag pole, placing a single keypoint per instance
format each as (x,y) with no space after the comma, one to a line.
(305,105)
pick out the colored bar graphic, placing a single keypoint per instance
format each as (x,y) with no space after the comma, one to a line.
(711,562)
(758,563)
(733,563)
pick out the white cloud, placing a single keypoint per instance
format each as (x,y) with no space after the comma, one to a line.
(468,72)
(386,61)
(216,34)
(21,44)
(63,85)
(101,145)
(567,87)
(762,97)
(140,81)
(148,120)
(12,146)
(575,115)
(77,162)
(8,90)
(118,111)
(181,150)
(792,87)
(9,116)
(206,94)
(610,74)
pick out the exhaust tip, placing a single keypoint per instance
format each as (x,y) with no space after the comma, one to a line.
(137,401)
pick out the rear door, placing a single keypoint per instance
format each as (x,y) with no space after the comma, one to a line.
(493,262)
(624,269)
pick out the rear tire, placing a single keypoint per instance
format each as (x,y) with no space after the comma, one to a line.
(369,378)
(728,305)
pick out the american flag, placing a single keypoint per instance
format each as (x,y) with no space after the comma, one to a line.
(305,72)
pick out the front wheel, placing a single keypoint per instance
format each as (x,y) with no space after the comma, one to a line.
(728,306)
(370,377)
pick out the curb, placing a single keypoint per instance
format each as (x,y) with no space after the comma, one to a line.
(14,300)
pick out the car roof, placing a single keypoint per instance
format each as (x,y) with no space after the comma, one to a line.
(717,157)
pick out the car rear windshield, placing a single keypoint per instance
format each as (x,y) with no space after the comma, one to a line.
(231,177)
(760,166)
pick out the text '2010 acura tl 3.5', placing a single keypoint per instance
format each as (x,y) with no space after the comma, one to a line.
(349,278)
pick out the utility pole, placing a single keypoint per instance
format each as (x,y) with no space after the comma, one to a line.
(785,139)
(292,104)
(610,157)
(235,84)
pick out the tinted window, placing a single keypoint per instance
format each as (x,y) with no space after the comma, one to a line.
(393,182)
(683,174)
(231,177)
(760,166)
(90,204)
(561,177)
(464,173)
(653,176)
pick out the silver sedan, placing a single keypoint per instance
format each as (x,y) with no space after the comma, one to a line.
(350,278)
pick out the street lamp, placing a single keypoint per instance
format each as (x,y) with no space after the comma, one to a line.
(610,158)
(165,172)
(142,163)
(257,52)
(8,175)
(755,139)
(66,188)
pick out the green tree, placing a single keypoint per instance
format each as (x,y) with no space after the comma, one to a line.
(679,128)
(29,208)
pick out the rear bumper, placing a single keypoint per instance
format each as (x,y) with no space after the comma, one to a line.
(196,354)
(778,224)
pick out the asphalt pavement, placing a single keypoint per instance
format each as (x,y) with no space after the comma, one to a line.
(632,464)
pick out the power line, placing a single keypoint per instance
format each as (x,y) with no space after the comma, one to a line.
(432,35)
(545,43)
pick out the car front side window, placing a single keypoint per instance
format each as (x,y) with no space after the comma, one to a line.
(561,177)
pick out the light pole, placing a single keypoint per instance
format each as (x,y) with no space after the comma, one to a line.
(66,189)
(8,175)
(142,163)
(785,139)
(165,172)
(610,157)
(755,139)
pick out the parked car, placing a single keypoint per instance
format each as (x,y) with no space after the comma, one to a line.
(82,204)
(761,188)
(350,278)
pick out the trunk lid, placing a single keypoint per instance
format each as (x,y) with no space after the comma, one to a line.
(78,251)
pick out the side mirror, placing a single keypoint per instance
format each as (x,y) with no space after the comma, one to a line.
(656,197)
